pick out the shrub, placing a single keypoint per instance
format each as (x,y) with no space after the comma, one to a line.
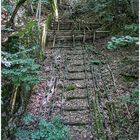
(20,68)
(45,130)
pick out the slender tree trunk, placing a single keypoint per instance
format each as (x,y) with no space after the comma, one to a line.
(11,21)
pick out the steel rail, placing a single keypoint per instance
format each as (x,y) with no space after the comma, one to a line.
(98,97)
(88,96)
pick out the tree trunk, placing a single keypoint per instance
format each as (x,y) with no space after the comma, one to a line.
(11,21)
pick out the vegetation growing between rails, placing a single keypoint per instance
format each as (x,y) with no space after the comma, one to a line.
(70,87)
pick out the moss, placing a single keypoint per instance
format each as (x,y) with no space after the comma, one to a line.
(70,87)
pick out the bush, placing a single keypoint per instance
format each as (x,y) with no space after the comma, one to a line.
(45,130)
(19,68)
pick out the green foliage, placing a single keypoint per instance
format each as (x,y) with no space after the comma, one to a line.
(27,30)
(70,87)
(96,62)
(6,5)
(104,11)
(20,68)
(28,118)
(111,14)
(45,130)
(18,57)
(132,29)
(29,37)
(121,41)
(129,78)
(20,71)
(132,99)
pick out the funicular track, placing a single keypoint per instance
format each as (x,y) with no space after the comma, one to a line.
(85,84)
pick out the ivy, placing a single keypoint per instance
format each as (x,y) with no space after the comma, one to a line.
(121,41)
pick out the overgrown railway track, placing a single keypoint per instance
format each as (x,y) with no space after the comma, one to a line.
(86,85)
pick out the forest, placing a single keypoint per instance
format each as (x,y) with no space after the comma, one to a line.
(69,69)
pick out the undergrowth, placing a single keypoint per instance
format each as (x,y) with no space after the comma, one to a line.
(20,68)
(121,42)
(44,129)
(20,72)
(70,87)
(132,99)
